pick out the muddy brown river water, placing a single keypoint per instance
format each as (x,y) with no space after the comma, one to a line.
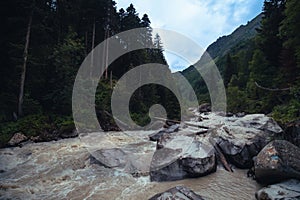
(63,170)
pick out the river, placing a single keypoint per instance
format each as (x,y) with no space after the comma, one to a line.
(63,170)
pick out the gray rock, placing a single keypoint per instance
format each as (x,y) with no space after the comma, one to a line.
(205,107)
(109,157)
(278,161)
(240,144)
(173,128)
(131,158)
(287,190)
(159,134)
(69,134)
(17,139)
(178,192)
(260,122)
(243,138)
(182,157)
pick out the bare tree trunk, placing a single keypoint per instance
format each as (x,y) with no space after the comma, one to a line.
(93,46)
(106,55)
(111,83)
(23,74)
(86,43)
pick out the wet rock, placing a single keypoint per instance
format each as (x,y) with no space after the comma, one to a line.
(182,157)
(109,157)
(47,136)
(229,114)
(133,158)
(159,134)
(240,139)
(278,161)
(173,128)
(71,134)
(17,139)
(204,108)
(178,192)
(260,122)
(240,114)
(240,144)
(286,190)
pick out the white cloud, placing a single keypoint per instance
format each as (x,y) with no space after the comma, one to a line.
(201,20)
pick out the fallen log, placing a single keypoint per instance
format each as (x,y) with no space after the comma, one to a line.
(221,156)
(201,132)
(186,123)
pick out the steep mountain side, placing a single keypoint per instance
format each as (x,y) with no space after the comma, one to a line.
(224,44)
(240,41)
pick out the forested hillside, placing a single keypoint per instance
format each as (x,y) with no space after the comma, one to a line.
(43,44)
(260,63)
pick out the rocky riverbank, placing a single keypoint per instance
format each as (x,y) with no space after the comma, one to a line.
(139,165)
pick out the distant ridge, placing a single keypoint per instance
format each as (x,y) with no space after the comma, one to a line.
(238,39)
(223,45)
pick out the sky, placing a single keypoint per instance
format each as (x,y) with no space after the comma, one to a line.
(203,21)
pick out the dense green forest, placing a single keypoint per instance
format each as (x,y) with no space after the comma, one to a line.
(43,44)
(260,63)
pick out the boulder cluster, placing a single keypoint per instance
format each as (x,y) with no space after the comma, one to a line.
(237,141)
(197,148)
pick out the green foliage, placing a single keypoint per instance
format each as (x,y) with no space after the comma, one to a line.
(35,125)
(236,101)
(62,34)
(67,58)
(32,125)
(287,112)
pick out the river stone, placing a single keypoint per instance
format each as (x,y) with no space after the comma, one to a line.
(69,134)
(182,157)
(156,136)
(287,190)
(204,108)
(240,144)
(17,139)
(278,161)
(130,160)
(109,157)
(240,139)
(178,192)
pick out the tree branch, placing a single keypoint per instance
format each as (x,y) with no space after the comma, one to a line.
(271,89)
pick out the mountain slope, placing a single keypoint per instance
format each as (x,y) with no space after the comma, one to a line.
(240,40)
(224,44)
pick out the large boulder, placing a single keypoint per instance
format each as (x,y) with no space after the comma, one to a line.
(178,192)
(17,139)
(287,190)
(204,108)
(132,158)
(182,157)
(278,161)
(240,139)
(240,144)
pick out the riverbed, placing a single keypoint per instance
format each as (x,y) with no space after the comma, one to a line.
(64,170)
